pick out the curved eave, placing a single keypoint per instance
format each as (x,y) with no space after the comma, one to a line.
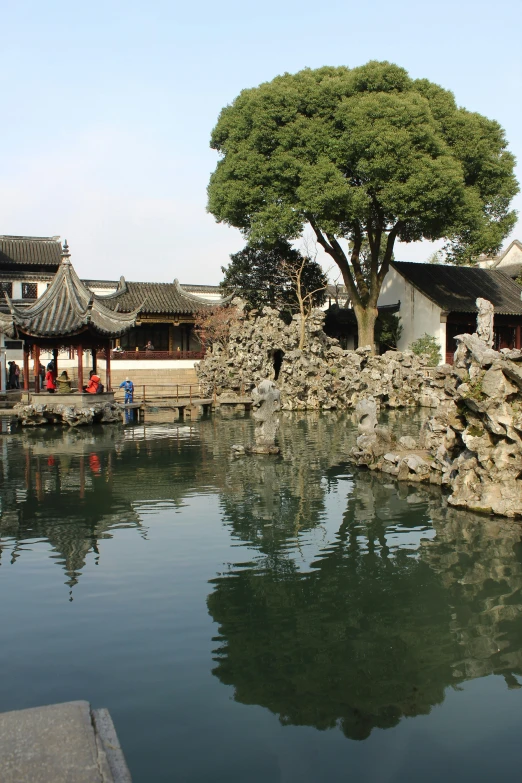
(192,299)
(7,326)
(73,332)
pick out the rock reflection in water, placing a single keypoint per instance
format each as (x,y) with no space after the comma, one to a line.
(407,598)
(375,630)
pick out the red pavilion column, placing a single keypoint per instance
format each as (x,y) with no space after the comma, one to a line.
(80,368)
(108,367)
(36,356)
(55,360)
(26,367)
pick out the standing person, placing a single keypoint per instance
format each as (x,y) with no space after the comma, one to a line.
(11,375)
(41,370)
(149,346)
(16,376)
(128,388)
(50,380)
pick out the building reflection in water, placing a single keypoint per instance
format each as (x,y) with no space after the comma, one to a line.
(403,600)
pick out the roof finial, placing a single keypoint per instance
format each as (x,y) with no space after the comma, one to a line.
(65,251)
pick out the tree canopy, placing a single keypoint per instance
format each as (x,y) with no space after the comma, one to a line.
(259,274)
(362,154)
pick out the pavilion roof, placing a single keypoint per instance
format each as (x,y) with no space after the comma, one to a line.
(65,309)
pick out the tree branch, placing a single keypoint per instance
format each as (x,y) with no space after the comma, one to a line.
(388,253)
(338,255)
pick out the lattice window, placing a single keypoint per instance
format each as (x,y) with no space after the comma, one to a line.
(7,288)
(29,290)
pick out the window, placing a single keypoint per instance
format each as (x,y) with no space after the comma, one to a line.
(5,288)
(29,290)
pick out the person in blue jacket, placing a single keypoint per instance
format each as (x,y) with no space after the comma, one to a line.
(128,387)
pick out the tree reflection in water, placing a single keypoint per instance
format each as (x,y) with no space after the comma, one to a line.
(375,630)
(404,599)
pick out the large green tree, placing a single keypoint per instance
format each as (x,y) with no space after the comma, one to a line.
(362,154)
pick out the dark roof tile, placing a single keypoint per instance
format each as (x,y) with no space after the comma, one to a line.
(165,298)
(456,288)
(66,308)
(30,251)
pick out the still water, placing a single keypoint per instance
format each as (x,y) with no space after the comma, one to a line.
(259,619)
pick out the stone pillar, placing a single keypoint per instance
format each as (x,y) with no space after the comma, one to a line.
(485,317)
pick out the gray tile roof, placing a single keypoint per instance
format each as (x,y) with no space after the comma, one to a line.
(201,289)
(456,288)
(66,308)
(30,251)
(158,298)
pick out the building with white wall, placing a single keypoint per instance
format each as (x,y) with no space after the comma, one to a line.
(167,311)
(440,300)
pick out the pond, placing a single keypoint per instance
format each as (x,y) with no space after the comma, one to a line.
(262,619)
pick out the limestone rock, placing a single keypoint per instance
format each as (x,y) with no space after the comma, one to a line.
(70,415)
(324,376)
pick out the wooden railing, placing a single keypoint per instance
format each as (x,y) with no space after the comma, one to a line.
(151,392)
(148,355)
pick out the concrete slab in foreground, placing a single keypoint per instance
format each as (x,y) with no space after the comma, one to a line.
(62,743)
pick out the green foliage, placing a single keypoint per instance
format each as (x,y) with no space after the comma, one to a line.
(475,391)
(260,275)
(362,154)
(427,344)
(388,330)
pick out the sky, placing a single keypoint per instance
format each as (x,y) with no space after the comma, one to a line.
(108,108)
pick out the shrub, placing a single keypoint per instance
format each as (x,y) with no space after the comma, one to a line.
(388,330)
(427,344)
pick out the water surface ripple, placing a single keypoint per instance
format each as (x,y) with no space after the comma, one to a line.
(259,619)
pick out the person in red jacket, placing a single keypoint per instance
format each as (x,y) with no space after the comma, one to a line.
(50,381)
(94,382)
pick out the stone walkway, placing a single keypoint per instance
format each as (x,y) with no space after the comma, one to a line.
(62,743)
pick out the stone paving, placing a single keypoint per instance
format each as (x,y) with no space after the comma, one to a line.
(61,743)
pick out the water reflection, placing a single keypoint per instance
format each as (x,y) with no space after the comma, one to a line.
(385,619)
(354,613)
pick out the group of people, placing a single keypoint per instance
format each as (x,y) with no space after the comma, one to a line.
(62,383)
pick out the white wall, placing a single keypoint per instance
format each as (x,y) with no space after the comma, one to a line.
(418,314)
(513,256)
(150,364)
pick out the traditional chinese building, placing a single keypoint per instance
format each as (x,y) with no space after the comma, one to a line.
(67,315)
(165,313)
(440,299)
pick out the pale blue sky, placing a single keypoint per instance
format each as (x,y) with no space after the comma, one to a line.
(108,108)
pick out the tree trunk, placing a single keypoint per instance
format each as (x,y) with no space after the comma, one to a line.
(366,318)
(302,332)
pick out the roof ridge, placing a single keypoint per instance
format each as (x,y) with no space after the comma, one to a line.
(33,239)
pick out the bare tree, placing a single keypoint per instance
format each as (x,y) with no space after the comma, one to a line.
(305,299)
(212,326)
